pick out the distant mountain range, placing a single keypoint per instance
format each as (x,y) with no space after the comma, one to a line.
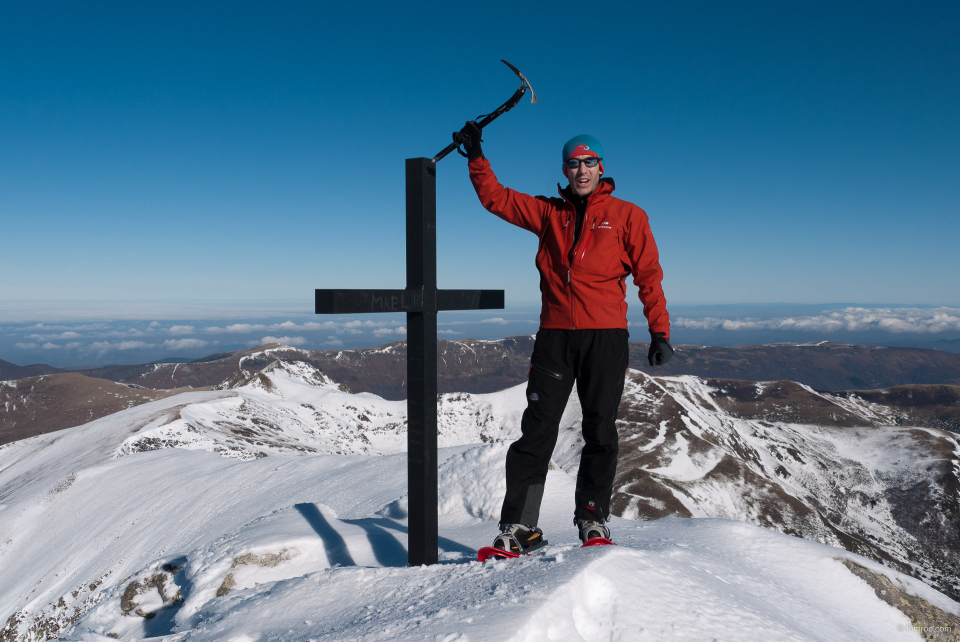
(914,382)
(485,366)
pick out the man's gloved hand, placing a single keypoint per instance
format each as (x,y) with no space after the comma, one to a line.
(470,138)
(660,350)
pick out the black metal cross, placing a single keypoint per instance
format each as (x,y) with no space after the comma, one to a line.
(421,300)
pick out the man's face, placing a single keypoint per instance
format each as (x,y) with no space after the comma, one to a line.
(583,179)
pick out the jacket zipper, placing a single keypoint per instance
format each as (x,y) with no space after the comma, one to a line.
(587,242)
(573,308)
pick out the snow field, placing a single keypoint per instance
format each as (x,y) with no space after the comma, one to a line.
(672,579)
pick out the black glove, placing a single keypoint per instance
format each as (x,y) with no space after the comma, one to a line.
(469,137)
(660,350)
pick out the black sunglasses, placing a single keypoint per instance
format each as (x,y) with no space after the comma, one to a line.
(574,163)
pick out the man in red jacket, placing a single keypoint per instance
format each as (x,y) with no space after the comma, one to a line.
(590,242)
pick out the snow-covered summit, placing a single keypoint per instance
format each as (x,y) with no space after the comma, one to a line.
(292,406)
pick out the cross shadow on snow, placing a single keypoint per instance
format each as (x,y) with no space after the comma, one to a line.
(450,546)
(390,552)
(386,548)
(336,547)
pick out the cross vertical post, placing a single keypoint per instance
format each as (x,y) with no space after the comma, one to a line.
(421,177)
(421,300)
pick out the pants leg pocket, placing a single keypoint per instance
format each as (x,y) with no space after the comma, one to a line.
(550,373)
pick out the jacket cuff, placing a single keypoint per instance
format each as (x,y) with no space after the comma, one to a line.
(665,331)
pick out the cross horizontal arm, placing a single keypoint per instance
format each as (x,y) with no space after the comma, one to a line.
(362,301)
(469,300)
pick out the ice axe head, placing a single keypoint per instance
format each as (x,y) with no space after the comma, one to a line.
(523,83)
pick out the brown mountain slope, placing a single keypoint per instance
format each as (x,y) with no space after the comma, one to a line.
(38,405)
(10,371)
(822,365)
(462,366)
(933,406)
(475,366)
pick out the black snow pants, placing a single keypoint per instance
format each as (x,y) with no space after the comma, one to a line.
(597,361)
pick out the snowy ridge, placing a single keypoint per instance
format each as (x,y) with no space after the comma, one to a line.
(271,352)
(291,406)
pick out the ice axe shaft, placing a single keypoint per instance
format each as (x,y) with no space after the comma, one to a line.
(492,116)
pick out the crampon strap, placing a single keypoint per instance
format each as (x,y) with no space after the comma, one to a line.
(598,541)
(487,552)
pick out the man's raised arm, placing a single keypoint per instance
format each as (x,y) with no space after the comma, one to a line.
(512,206)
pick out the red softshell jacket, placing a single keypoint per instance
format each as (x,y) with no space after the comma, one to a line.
(616,241)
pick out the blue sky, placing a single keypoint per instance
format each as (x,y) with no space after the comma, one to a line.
(161,155)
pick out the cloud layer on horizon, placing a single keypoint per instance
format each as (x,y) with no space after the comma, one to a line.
(851,319)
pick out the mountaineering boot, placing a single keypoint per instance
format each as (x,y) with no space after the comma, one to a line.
(590,529)
(517,538)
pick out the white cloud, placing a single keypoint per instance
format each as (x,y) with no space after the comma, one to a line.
(180,329)
(237,328)
(183,344)
(448,332)
(326,325)
(852,319)
(369,324)
(53,337)
(289,341)
(51,346)
(348,327)
(84,326)
(132,332)
(26,346)
(132,345)
(333,342)
(154,324)
(496,320)
(73,345)
(401,330)
(380,332)
(106,346)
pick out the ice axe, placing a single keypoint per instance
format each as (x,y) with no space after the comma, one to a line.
(489,118)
